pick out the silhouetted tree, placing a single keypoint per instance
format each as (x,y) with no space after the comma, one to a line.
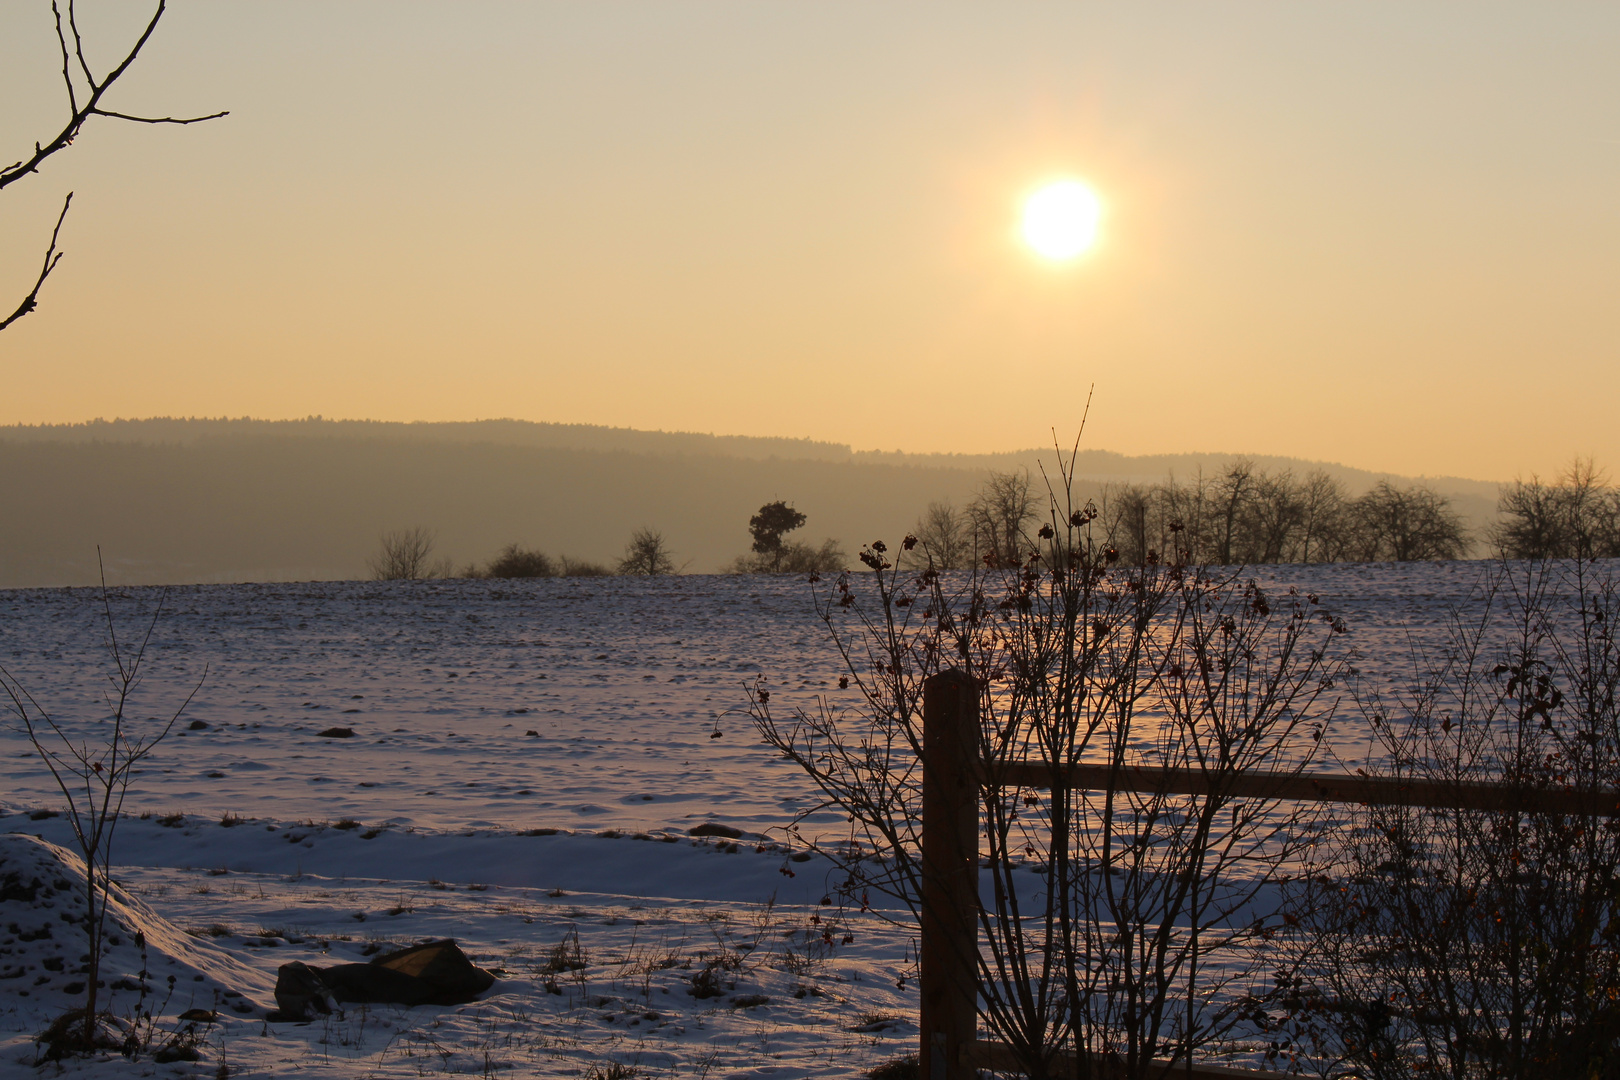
(1129,514)
(1404,525)
(404,555)
(1185,517)
(1000,514)
(647,553)
(85,98)
(1271,519)
(1576,518)
(1322,502)
(768,527)
(944,538)
(1245,515)
(1230,491)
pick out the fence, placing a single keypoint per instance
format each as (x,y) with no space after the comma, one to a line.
(952,775)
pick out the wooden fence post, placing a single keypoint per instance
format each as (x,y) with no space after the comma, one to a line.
(949,974)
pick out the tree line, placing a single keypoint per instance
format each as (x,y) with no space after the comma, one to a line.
(1239,515)
(408,555)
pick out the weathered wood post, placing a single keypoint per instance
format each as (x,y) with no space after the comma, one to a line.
(950,874)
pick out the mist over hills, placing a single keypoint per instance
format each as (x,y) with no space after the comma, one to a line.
(175,500)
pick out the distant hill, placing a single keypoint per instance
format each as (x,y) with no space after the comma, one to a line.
(188,500)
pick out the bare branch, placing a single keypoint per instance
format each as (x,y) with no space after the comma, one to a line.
(92,105)
(161,119)
(78,42)
(67,75)
(79,113)
(52,257)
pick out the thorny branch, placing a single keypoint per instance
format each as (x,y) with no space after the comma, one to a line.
(80,111)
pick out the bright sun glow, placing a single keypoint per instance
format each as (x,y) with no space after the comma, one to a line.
(1060,219)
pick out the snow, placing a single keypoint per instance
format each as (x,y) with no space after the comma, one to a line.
(527,761)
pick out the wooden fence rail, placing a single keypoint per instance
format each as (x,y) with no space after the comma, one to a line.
(952,775)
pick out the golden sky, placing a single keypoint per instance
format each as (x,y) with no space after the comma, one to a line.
(1382,234)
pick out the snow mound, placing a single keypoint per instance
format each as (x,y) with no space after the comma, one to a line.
(42,946)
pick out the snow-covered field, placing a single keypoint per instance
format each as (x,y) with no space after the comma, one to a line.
(526,761)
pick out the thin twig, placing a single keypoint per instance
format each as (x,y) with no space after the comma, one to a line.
(52,257)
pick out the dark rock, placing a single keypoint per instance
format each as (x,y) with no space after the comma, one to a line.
(714,828)
(433,973)
(336,733)
(301,993)
(197,725)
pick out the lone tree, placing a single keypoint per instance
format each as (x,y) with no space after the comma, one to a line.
(404,555)
(86,95)
(647,554)
(769,525)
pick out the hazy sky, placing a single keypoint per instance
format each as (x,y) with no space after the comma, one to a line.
(1381,234)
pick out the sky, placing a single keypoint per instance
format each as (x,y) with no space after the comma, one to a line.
(1380,234)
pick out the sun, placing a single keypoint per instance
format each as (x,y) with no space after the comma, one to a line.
(1060,220)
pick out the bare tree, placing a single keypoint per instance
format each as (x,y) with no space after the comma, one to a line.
(1405,524)
(1001,514)
(1322,501)
(1245,516)
(404,555)
(1271,519)
(647,553)
(944,537)
(85,98)
(93,769)
(1229,492)
(1576,518)
(1185,515)
(1128,514)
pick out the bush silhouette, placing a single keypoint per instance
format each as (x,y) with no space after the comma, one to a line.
(514,561)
